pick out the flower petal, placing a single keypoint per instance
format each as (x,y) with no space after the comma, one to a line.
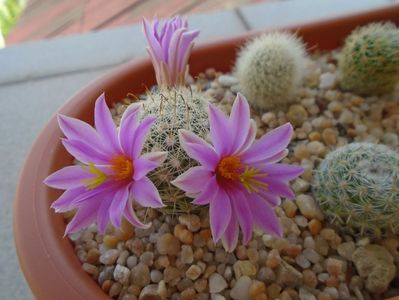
(103,213)
(280,188)
(85,153)
(283,172)
(249,139)
(230,237)
(127,130)
(239,121)
(269,145)
(142,166)
(220,130)
(198,149)
(132,218)
(85,216)
(140,135)
(271,198)
(105,125)
(243,213)
(117,206)
(156,157)
(65,202)
(193,180)
(207,193)
(145,193)
(264,216)
(220,213)
(68,178)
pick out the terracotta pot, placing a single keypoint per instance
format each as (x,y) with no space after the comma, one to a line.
(47,259)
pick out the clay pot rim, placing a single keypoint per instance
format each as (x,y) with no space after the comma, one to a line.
(48,261)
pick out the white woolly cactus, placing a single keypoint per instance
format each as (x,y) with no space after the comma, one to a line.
(270,68)
(177,108)
(358,186)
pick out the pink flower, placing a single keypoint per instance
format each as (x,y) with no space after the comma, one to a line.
(238,177)
(169,49)
(113,170)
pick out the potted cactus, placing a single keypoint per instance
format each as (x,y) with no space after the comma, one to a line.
(227,184)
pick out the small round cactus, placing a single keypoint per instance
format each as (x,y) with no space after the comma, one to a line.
(357,186)
(369,61)
(180,108)
(270,68)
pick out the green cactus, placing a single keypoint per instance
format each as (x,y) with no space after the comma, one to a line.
(369,61)
(270,68)
(357,186)
(180,108)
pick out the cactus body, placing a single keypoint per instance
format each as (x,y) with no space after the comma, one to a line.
(357,186)
(369,61)
(175,109)
(270,68)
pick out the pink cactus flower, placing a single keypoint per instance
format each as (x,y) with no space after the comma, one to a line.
(169,49)
(112,173)
(238,177)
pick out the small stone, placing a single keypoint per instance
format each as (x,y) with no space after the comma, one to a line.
(257,290)
(240,291)
(110,241)
(288,275)
(309,243)
(376,264)
(327,81)
(323,296)
(140,275)
(309,278)
(126,232)
(292,250)
(334,266)
(188,294)
(187,255)
(290,208)
(150,292)
(314,136)
(122,274)
(227,80)
(297,114)
(156,276)
(106,285)
(321,245)
(301,221)
(193,272)
(301,151)
(200,285)
(329,234)
(192,222)
(346,250)
(123,257)
(267,117)
(317,148)
(216,283)
(109,257)
(304,294)
(332,291)
(300,186)
(311,255)
(115,289)
(314,226)
(93,256)
(247,268)
(308,207)
(253,255)
(241,252)
(329,136)
(346,117)
(302,261)
(168,245)
(90,269)
(343,291)
(171,273)
(147,258)
(217,297)
(185,236)
(335,106)
(131,261)
(391,139)
(273,259)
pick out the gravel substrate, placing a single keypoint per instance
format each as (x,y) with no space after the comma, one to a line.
(177,259)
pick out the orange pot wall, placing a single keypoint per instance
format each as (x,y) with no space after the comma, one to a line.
(47,259)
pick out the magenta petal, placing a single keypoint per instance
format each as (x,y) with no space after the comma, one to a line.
(185,48)
(220,130)
(105,125)
(283,172)
(152,41)
(264,216)
(243,213)
(84,152)
(132,218)
(142,166)
(127,130)
(239,121)
(103,213)
(140,135)
(68,178)
(198,149)
(269,145)
(207,193)
(230,237)
(280,188)
(249,139)
(118,205)
(65,201)
(145,193)
(271,198)
(156,157)
(193,180)
(85,216)
(276,158)
(220,213)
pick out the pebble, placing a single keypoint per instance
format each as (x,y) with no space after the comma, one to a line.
(273,259)
(217,297)
(122,274)
(193,272)
(115,289)
(131,261)
(290,208)
(156,276)
(314,226)
(110,241)
(300,186)
(297,114)
(216,283)
(301,221)
(183,234)
(109,257)
(93,256)
(227,80)
(91,269)
(308,207)
(309,278)
(301,151)
(170,273)
(304,294)
(187,255)
(334,266)
(192,222)
(140,275)
(311,255)
(168,245)
(327,81)
(150,292)
(240,291)
(257,291)
(302,261)
(288,275)
(317,148)
(329,136)
(147,258)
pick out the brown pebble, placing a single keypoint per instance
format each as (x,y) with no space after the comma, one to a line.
(257,290)
(329,136)
(297,114)
(314,226)
(126,232)
(334,266)
(183,234)
(273,259)
(167,244)
(323,296)
(205,234)
(314,136)
(200,285)
(110,241)
(332,281)
(309,278)
(290,208)
(292,250)
(106,285)
(93,255)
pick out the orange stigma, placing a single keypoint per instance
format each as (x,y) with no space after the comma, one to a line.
(229,167)
(122,167)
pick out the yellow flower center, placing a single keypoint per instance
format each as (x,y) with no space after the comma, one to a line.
(120,165)
(231,168)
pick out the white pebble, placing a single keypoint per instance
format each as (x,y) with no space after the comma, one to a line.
(240,291)
(216,283)
(327,80)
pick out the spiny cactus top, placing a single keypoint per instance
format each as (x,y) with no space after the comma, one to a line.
(113,170)
(369,60)
(270,68)
(358,186)
(169,49)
